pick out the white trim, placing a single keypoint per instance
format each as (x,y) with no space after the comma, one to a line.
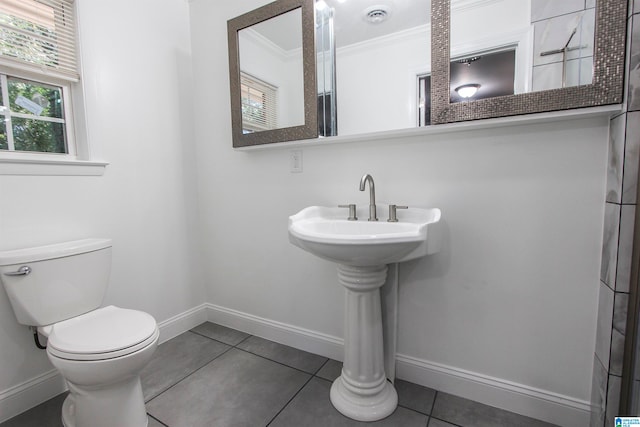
(67,120)
(42,165)
(30,393)
(293,336)
(459,5)
(266,44)
(410,33)
(530,401)
(182,322)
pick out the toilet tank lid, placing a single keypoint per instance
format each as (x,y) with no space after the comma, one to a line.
(57,250)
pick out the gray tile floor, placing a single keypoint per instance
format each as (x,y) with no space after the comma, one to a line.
(216,376)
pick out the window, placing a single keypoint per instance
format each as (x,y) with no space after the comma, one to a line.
(259,105)
(38,72)
(33,116)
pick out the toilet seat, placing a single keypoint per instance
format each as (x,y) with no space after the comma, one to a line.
(102,334)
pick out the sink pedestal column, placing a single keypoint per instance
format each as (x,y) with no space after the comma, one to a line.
(362,392)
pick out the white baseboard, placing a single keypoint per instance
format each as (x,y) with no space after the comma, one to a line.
(525,400)
(293,336)
(541,404)
(180,323)
(28,394)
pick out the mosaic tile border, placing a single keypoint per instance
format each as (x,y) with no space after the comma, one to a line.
(607,86)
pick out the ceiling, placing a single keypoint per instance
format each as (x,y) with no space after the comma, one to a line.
(351,25)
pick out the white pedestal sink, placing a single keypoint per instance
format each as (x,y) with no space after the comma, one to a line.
(362,250)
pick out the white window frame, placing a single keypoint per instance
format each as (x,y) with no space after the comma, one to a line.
(69,129)
(78,159)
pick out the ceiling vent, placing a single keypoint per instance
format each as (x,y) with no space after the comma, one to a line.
(377,14)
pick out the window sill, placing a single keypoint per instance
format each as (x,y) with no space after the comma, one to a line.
(51,167)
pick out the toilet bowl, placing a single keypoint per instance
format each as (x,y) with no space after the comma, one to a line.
(98,351)
(100,354)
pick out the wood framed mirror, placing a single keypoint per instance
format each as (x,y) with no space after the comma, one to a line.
(272,71)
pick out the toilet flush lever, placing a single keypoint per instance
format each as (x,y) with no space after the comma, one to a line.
(22,271)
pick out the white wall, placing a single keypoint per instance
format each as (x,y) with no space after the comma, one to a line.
(487,21)
(138,96)
(512,296)
(377,82)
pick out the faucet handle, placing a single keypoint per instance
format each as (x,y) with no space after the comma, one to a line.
(392,212)
(352,211)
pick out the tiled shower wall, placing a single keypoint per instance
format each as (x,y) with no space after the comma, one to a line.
(553,22)
(620,209)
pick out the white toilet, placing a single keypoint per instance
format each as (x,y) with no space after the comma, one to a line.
(99,351)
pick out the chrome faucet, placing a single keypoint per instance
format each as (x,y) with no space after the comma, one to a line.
(372,195)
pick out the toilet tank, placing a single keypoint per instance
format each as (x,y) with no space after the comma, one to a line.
(66,280)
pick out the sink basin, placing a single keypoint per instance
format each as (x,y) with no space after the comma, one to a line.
(326,233)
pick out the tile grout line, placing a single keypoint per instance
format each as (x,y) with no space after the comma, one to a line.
(151,416)
(311,376)
(188,375)
(220,341)
(290,400)
(314,374)
(196,370)
(436,418)
(275,361)
(433,405)
(281,363)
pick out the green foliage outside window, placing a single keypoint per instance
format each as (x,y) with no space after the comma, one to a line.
(32,133)
(49,98)
(3,136)
(36,135)
(29,42)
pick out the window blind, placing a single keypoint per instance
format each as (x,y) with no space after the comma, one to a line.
(259,105)
(39,36)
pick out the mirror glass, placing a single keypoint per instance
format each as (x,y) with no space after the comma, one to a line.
(303,68)
(382,50)
(567,54)
(507,47)
(271,73)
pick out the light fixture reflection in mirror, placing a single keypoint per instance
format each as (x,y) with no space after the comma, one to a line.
(468,90)
(553,41)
